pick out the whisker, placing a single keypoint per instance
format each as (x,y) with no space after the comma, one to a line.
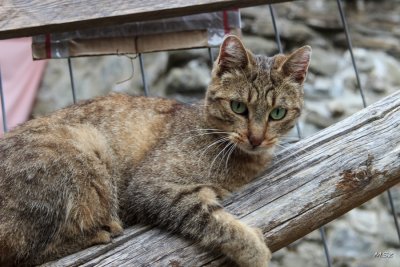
(203,134)
(193,136)
(229,154)
(280,145)
(227,147)
(220,140)
(215,158)
(288,148)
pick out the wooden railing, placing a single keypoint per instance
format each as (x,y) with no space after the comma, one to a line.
(19,18)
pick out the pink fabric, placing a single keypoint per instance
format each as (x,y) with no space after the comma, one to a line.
(21,78)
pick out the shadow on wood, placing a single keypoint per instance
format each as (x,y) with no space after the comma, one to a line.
(309,184)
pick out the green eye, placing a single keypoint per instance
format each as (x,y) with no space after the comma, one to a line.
(238,107)
(277,114)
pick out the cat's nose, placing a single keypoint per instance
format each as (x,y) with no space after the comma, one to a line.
(255,141)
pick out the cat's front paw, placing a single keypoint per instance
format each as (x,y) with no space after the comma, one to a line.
(262,256)
(259,233)
(257,254)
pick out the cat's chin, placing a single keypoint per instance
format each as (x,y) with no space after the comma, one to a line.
(257,150)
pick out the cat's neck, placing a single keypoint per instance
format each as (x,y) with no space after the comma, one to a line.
(244,167)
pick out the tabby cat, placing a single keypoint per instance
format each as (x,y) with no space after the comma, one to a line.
(77,177)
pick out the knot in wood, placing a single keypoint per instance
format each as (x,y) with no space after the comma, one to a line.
(174,263)
(359,177)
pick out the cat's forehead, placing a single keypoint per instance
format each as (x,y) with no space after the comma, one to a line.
(264,63)
(260,89)
(261,72)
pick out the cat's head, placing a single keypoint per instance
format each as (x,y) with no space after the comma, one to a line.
(256,99)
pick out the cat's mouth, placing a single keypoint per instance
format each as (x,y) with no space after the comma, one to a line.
(265,147)
(244,144)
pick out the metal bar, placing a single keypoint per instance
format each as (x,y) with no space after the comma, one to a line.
(211,56)
(71,76)
(279,44)
(144,80)
(348,39)
(350,46)
(326,250)
(298,131)
(396,222)
(3,106)
(277,35)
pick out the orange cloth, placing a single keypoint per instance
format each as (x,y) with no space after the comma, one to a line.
(21,77)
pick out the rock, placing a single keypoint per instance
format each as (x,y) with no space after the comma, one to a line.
(364,221)
(378,86)
(363,59)
(395,193)
(180,58)
(336,108)
(323,86)
(288,29)
(325,24)
(386,71)
(306,254)
(307,129)
(345,80)
(345,242)
(319,42)
(385,43)
(379,74)
(317,120)
(317,87)
(254,12)
(260,45)
(318,114)
(195,77)
(387,229)
(314,236)
(324,62)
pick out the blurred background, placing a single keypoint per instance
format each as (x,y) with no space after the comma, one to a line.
(331,94)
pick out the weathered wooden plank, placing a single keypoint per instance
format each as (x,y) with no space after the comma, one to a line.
(20,18)
(310,183)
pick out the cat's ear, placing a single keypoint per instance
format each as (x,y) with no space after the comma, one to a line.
(296,64)
(232,55)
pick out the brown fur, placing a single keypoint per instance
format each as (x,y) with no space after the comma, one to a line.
(70,180)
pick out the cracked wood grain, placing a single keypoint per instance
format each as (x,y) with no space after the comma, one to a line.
(19,18)
(309,184)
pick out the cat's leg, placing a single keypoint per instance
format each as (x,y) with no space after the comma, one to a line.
(91,219)
(94,209)
(194,211)
(90,197)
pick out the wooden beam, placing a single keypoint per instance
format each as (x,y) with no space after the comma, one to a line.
(310,183)
(20,18)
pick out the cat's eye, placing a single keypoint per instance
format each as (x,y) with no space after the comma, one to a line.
(277,114)
(238,107)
